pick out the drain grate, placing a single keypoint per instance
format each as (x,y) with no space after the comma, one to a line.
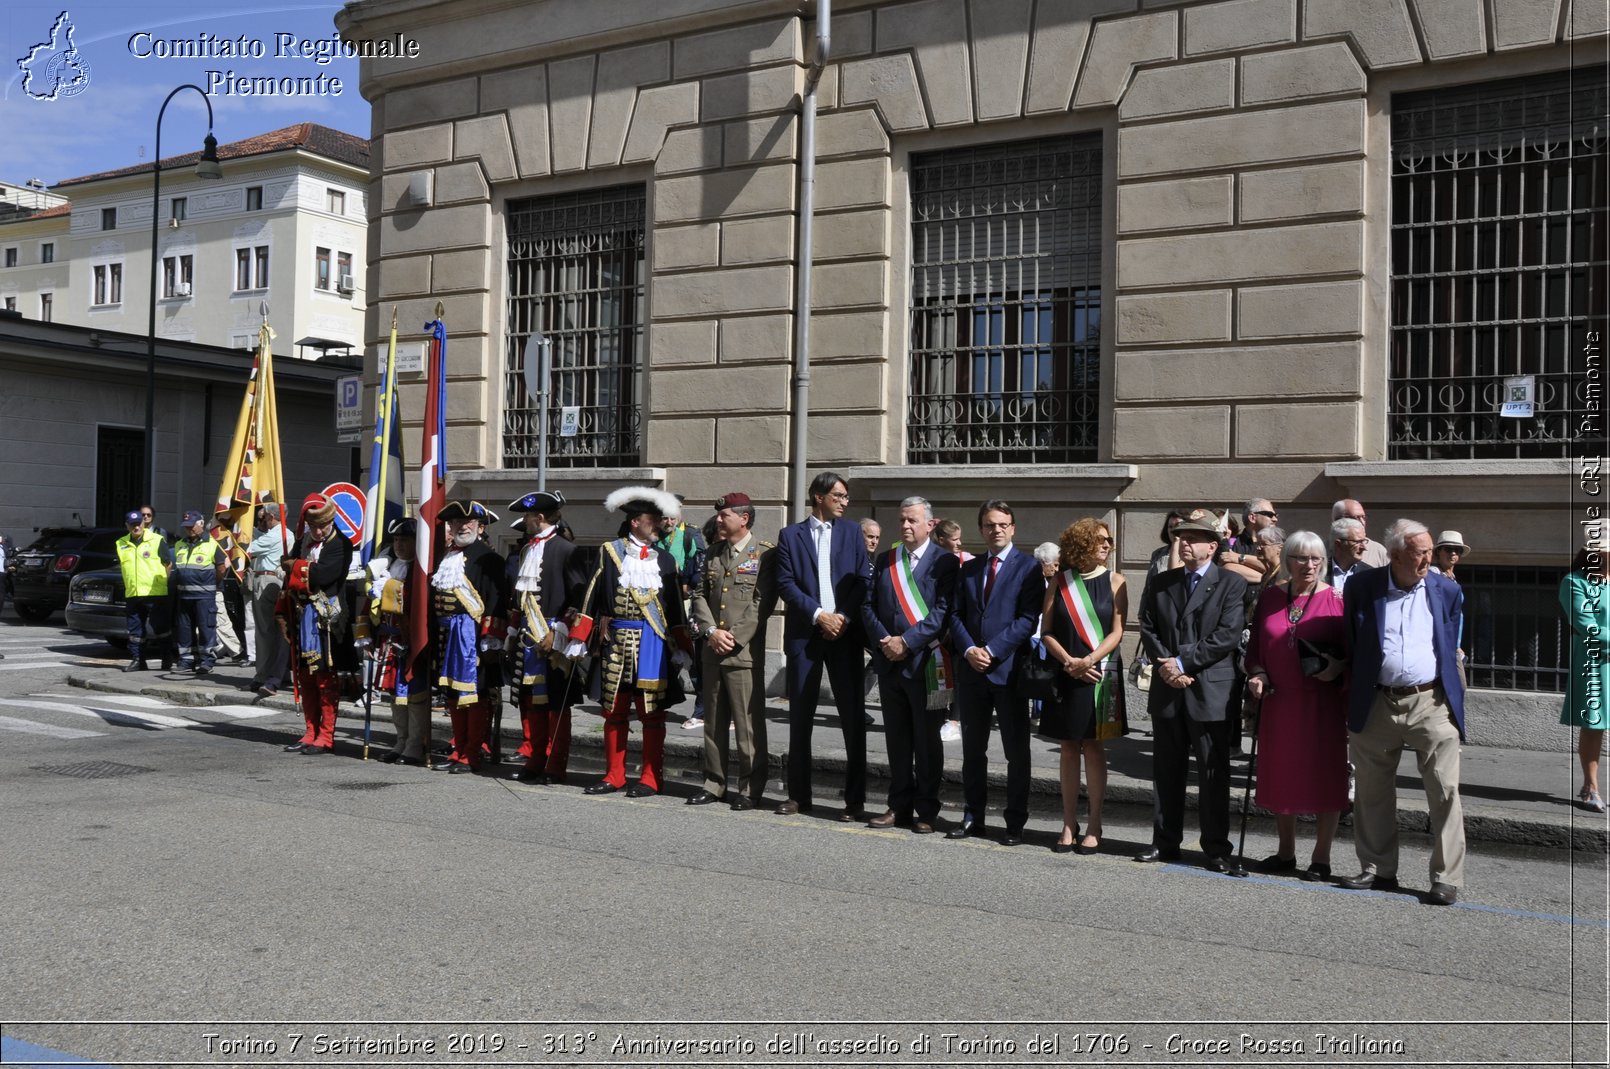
(94,770)
(362,786)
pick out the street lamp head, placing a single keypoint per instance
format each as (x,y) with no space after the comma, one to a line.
(207,166)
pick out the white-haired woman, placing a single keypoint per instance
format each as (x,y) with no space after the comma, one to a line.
(1302,731)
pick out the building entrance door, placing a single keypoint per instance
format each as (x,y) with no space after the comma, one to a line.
(119,453)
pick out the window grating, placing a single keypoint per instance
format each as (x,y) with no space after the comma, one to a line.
(1006,303)
(576,275)
(1500,251)
(1515,637)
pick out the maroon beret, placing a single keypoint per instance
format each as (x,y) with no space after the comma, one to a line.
(732,501)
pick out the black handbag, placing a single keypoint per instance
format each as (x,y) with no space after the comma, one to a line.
(1314,657)
(1039,678)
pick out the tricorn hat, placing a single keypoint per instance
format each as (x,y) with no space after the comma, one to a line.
(547,502)
(403,528)
(467,510)
(636,500)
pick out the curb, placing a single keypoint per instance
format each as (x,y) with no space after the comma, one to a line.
(1517,829)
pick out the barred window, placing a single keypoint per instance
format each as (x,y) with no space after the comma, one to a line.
(1515,636)
(1499,256)
(576,276)
(1006,303)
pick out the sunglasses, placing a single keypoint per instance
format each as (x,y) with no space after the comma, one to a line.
(1268,513)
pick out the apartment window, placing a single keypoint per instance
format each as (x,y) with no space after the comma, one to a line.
(254,198)
(47,252)
(177,276)
(11,304)
(336,201)
(177,209)
(576,275)
(1006,303)
(1500,248)
(11,257)
(343,271)
(108,218)
(47,307)
(321,268)
(108,283)
(251,268)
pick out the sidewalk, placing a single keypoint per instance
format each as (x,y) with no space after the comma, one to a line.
(1510,796)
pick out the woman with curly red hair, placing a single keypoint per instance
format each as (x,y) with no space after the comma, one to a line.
(1083,623)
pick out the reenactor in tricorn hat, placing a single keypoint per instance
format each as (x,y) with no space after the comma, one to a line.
(544,588)
(312,612)
(635,597)
(466,592)
(387,615)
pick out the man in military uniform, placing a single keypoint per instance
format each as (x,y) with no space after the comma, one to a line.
(732,596)
(146,559)
(313,617)
(635,597)
(465,593)
(387,644)
(544,588)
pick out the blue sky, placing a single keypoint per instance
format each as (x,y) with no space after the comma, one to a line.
(111,122)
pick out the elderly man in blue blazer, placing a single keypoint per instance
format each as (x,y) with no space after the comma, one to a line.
(1403,635)
(821,578)
(905,616)
(998,596)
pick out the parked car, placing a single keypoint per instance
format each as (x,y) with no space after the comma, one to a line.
(95,605)
(44,569)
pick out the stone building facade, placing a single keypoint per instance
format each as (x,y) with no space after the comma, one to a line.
(1092,256)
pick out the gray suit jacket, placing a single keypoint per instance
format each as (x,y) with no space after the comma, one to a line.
(1202,632)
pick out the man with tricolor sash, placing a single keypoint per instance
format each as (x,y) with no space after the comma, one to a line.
(634,604)
(913,588)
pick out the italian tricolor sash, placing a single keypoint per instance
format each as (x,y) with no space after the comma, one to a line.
(1087,625)
(939,676)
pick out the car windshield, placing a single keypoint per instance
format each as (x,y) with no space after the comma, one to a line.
(59,542)
(105,542)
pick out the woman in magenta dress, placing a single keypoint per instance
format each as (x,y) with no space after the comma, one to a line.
(1302,729)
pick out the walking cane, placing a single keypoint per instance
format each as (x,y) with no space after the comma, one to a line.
(1240,866)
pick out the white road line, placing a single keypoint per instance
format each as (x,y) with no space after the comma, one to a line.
(28,727)
(143,719)
(33,653)
(9,666)
(244,712)
(136,701)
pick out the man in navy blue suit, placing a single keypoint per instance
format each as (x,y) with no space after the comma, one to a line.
(1403,634)
(998,597)
(905,615)
(821,577)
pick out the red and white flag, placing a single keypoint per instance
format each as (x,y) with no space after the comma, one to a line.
(432,493)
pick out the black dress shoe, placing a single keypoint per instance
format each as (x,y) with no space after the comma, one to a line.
(1085,851)
(1066,848)
(741,804)
(134,666)
(702,798)
(638,790)
(603,786)
(296,747)
(1274,864)
(1157,853)
(460,768)
(1368,881)
(529,775)
(1316,870)
(1217,863)
(1442,894)
(966,828)
(204,670)
(1012,838)
(390,757)
(315,751)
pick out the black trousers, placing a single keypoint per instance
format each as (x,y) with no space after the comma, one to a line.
(977,699)
(843,663)
(916,753)
(234,607)
(1174,739)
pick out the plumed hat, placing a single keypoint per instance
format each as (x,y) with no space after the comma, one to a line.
(636,500)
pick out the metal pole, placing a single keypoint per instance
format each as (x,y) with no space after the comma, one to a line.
(151,322)
(802,287)
(543,347)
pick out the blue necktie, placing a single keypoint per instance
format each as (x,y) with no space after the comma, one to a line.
(1190,584)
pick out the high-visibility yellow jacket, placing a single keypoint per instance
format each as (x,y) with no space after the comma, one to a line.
(145,565)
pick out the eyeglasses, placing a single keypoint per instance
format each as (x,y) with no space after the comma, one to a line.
(840,495)
(1354,542)
(1307,560)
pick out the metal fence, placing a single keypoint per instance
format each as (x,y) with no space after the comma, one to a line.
(1515,635)
(576,276)
(1006,303)
(1500,252)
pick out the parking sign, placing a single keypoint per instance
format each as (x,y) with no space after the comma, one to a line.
(349,409)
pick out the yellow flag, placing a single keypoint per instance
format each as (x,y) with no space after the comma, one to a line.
(252,471)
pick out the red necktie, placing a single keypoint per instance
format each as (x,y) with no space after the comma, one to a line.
(989,582)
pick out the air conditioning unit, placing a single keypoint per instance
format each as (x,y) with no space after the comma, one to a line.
(344,284)
(181,289)
(173,224)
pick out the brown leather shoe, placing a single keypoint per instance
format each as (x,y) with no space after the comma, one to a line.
(889,819)
(922,827)
(851,816)
(787,809)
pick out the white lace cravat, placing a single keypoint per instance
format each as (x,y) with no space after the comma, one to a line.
(824,567)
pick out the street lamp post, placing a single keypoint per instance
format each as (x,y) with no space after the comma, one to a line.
(206,167)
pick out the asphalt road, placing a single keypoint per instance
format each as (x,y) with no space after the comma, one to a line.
(173,865)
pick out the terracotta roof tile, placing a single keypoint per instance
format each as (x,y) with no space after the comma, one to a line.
(320,140)
(44,213)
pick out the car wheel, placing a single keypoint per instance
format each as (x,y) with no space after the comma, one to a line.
(35,613)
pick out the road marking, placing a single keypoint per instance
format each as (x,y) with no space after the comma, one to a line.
(9,667)
(244,712)
(28,727)
(137,701)
(148,720)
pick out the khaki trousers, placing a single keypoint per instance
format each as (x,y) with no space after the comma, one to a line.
(1420,722)
(734,695)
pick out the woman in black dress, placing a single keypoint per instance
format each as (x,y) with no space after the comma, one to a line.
(1082,625)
